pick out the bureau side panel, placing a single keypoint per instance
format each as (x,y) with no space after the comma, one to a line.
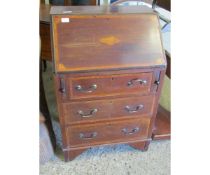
(60,110)
(158,76)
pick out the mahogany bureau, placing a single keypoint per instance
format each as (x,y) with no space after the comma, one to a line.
(109,65)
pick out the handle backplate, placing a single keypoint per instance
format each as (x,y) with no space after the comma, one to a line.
(88,90)
(91,113)
(132,131)
(87,136)
(136,109)
(135,81)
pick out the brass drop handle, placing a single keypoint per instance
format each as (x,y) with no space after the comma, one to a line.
(127,132)
(136,109)
(82,114)
(88,135)
(89,90)
(140,81)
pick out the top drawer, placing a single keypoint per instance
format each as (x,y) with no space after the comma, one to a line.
(107,85)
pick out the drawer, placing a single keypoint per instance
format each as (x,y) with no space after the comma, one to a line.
(109,85)
(112,132)
(108,109)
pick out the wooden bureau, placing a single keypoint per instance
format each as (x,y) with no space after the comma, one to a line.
(109,66)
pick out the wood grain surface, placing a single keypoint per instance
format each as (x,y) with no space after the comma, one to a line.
(108,41)
(107,132)
(107,109)
(109,70)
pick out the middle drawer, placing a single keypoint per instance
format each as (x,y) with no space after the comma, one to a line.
(106,109)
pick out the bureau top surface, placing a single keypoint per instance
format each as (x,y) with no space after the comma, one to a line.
(55,10)
(92,38)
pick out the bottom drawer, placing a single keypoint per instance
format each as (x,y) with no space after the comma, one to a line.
(109,132)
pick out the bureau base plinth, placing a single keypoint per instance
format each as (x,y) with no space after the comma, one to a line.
(72,153)
(143,146)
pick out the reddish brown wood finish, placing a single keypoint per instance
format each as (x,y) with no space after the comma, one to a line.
(66,135)
(44,32)
(71,153)
(101,46)
(46,53)
(138,145)
(85,55)
(110,85)
(73,2)
(143,146)
(162,128)
(158,91)
(107,109)
(107,132)
(134,91)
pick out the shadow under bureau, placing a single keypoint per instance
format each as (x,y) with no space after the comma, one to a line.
(109,66)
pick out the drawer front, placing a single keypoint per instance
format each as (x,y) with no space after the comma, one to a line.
(87,111)
(108,109)
(106,133)
(111,85)
(136,106)
(89,86)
